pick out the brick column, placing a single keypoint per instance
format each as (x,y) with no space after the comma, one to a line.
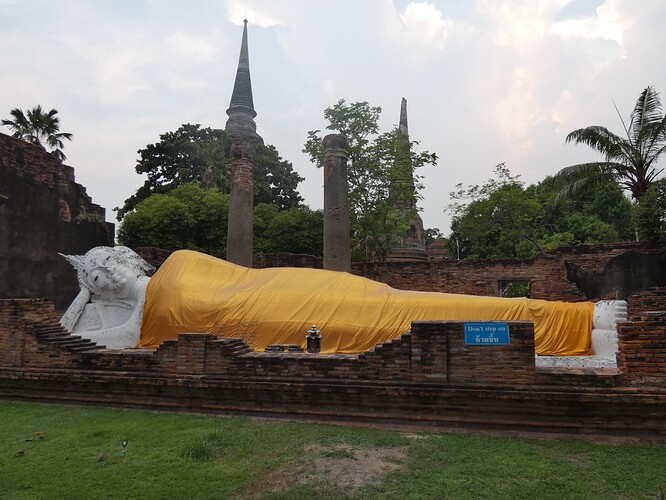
(191,357)
(642,347)
(337,246)
(241,203)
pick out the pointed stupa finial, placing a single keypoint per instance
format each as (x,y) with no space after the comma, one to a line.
(241,109)
(403,127)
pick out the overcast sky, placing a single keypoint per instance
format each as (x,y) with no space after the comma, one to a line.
(486,81)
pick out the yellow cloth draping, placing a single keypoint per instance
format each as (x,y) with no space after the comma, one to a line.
(194,292)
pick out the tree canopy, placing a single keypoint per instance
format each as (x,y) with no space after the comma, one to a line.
(190,217)
(650,214)
(504,219)
(187,217)
(193,154)
(631,161)
(294,230)
(381,173)
(40,128)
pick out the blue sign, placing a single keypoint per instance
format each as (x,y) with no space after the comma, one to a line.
(486,334)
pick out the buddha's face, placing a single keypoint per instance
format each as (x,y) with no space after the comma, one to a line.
(108,275)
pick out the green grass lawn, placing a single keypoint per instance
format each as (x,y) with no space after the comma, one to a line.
(194,456)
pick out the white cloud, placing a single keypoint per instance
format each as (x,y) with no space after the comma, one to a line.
(238,10)
(607,25)
(425,24)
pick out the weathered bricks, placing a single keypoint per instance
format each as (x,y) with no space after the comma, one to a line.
(426,377)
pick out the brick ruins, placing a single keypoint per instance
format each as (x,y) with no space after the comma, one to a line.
(43,211)
(427,378)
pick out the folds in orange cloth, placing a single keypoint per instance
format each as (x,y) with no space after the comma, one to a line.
(194,292)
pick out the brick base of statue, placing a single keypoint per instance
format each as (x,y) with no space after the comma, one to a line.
(427,378)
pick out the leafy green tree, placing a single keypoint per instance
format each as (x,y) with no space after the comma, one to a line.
(381,173)
(295,230)
(201,155)
(631,161)
(188,217)
(495,220)
(602,214)
(650,214)
(504,219)
(40,128)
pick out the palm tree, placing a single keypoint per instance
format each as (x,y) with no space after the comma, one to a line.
(37,127)
(631,160)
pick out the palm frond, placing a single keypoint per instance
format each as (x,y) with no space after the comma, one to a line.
(573,173)
(571,190)
(647,110)
(574,179)
(631,160)
(597,137)
(655,137)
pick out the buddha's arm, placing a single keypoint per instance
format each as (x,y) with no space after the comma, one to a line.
(74,311)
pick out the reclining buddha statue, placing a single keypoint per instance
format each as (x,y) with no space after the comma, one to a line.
(120,306)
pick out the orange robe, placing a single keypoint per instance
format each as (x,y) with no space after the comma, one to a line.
(194,292)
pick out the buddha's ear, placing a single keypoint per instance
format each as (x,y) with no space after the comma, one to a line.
(75,260)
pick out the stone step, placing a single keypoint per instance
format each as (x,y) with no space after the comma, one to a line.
(85,347)
(71,342)
(43,329)
(59,335)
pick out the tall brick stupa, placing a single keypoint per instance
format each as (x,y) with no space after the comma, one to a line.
(241,109)
(243,131)
(411,246)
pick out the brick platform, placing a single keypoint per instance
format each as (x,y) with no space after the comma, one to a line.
(428,377)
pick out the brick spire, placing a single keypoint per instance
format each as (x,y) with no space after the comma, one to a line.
(403,127)
(411,246)
(241,109)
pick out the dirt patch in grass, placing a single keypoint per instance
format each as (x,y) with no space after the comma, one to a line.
(345,466)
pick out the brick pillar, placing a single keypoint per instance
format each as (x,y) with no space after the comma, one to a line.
(191,357)
(239,232)
(642,347)
(337,246)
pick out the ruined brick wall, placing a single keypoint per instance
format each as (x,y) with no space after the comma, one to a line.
(428,377)
(642,348)
(43,211)
(546,274)
(650,299)
(584,272)
(16,347)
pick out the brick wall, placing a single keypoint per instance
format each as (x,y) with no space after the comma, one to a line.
(43,211)
(650,299)
(561,274)
(642,348)
(426,378)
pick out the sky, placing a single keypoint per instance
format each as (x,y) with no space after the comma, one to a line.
(486,81)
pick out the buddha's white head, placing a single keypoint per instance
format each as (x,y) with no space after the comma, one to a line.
(109,272)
